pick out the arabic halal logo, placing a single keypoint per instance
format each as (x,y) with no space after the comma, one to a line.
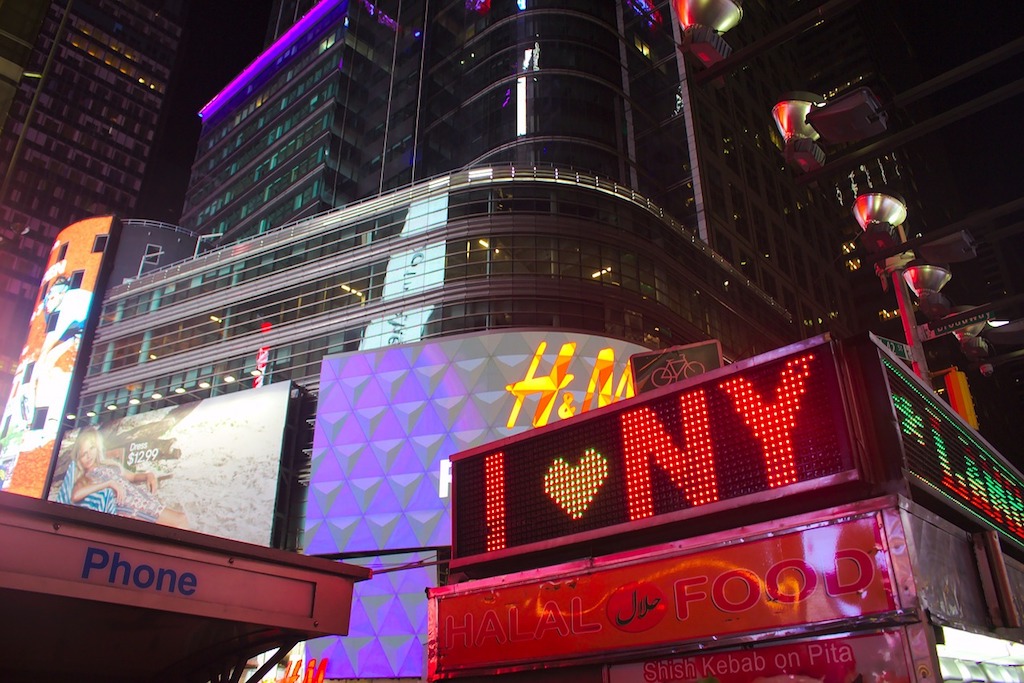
(636,607)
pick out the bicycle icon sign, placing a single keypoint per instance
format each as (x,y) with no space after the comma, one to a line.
(676,370)
(657,369)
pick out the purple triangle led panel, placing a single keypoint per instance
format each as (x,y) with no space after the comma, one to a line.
(403,410)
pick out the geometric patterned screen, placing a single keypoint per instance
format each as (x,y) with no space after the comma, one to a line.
(388,420)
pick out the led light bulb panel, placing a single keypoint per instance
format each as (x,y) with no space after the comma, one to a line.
(765,426)
(951,459)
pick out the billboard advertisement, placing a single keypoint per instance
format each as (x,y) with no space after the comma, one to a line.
(822,576)
(759,428)
(210,466)
(411,271)
(45,378)
(388,420)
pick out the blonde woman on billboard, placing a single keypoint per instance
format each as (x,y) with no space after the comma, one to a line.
(135,491)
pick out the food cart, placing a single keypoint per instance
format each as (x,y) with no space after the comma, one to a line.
(814,514)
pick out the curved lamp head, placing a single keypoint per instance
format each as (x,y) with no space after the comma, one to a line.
(925,281)
(972,344)
(721,15)
(790,115)
(879,207)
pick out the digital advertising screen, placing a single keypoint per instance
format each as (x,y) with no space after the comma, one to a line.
(767,425)
(45,378)
(210,466)
(387,422)
(944,454)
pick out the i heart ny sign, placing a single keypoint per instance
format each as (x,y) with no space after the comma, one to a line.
(763,426)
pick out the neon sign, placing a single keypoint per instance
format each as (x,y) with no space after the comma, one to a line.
(599,388)
(762,427)
(948,457)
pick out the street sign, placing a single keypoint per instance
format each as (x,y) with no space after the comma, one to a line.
(900,349)
(956,322)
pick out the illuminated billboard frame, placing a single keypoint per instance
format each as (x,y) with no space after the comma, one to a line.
(811,573)
(770,427)
(59,335)
(211,466)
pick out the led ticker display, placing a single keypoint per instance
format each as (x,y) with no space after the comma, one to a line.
(950,458)
(761,427)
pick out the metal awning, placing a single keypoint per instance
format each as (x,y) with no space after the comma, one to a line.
(86,596)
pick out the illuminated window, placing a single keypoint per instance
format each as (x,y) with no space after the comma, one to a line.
(643,47)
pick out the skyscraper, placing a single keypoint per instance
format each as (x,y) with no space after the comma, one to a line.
(79,132)
(374,99)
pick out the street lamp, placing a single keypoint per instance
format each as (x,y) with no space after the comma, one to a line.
(804,118)
(703,22)
(790,115)
(881,215)
(972,344)
(926,281)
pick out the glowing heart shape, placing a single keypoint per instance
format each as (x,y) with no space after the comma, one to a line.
(574,488)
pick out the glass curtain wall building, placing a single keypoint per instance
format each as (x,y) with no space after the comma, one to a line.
(488,248)
(357,98)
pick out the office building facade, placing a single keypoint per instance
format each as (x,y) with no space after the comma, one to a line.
(78,134)
(359,98)
(487,248)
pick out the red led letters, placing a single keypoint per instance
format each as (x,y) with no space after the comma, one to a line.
(685,455)
(773,424)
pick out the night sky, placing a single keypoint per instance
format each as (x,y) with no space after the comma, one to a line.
(221,38)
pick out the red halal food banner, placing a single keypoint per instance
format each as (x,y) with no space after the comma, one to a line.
(875,657)
(826,575)
(767,425)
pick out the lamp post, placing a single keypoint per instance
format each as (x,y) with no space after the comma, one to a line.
(881,215)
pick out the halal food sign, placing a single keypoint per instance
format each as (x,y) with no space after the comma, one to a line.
(764,426)
(824,575)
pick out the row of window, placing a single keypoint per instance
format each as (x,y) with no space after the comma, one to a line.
(272,80)
(240,184)
(462,204)
(558,260)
